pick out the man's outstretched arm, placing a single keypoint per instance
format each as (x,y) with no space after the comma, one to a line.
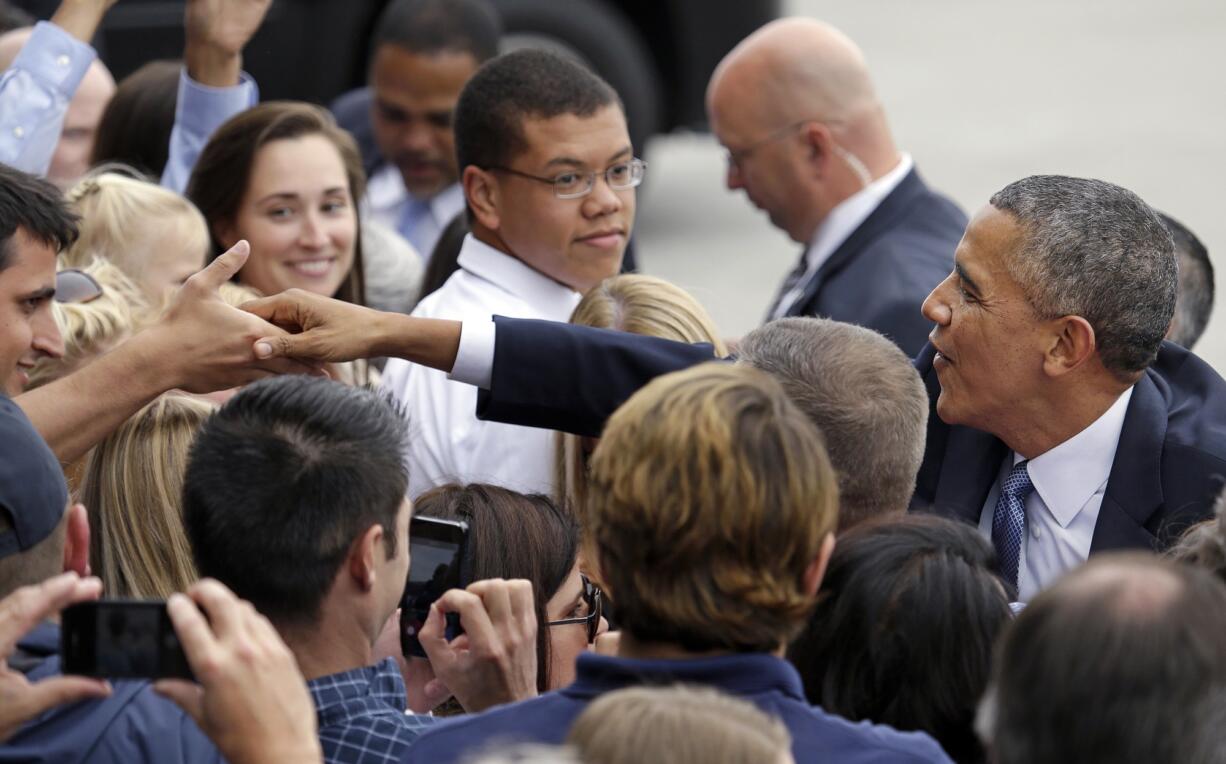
(199,344)
(532,373)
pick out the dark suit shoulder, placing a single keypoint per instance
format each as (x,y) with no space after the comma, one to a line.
(1195,397)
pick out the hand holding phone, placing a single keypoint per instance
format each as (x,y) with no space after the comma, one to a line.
(436,554)
(495,661)
(121,639)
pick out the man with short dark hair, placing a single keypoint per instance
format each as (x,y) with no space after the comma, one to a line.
(424,52)
(294,497)
(200,344)
(549,175)
(1194,302)
(1121,661)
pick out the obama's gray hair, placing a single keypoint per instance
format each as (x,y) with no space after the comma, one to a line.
(1095,250)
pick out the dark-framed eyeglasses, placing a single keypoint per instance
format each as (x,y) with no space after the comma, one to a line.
(591,596)
(575,184)
(72,285)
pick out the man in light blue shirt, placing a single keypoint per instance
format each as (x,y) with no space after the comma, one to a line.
(36,90)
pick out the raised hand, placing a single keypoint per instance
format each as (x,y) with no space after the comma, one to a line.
(216,33)
(20,612)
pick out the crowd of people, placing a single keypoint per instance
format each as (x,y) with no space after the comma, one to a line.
(956,499)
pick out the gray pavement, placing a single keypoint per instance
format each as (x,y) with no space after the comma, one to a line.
(981,93)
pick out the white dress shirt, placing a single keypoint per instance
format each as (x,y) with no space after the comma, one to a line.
(387,200)
(841,223)
(1062,511)
(447,443)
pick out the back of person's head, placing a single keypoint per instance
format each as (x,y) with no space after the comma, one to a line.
(511,535)
(133,490)
(154,235)
(224,172)
(1204,544)
(1095,250)
(640,305)
(280,483)
(525,84)
(136,125)
(710,497)
(865,396)
(35,206)
(90,329)
(430,27)
(1120,661)
(1194,301)
(33,496)
(681,725)
(909,611)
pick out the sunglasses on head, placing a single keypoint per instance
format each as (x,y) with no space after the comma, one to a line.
(75,286)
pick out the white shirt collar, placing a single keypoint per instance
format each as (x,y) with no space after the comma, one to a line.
(516,277)
(848,214)
(385,191)
(1066,476)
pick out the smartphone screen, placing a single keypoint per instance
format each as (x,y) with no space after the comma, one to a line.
(436,550)
(121,639)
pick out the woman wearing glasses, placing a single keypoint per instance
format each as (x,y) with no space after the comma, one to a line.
(513,535)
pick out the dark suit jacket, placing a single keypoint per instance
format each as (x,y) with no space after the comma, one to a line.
(1168,466)
(881,274)
(1167,471)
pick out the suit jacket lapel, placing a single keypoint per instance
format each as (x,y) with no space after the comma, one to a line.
(894,204)
(1134,488)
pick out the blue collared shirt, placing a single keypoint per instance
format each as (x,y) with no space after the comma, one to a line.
(36,88)
(131,726)
(768,682)
(361,715)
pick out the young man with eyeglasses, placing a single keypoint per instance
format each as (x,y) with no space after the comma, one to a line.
(549,176)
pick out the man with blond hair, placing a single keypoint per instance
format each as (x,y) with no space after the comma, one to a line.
(711,511)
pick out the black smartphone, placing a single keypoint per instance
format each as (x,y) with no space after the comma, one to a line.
(436,554)
(121,639)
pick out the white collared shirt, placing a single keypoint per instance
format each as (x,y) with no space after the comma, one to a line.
(1062,511)
(387,199)
(447,443)
(841,223)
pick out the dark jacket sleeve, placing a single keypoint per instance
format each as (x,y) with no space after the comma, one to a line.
(571,378)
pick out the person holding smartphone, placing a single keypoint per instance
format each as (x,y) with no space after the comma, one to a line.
(510,535)
(294,498)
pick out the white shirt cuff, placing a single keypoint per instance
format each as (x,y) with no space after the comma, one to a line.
(474,362)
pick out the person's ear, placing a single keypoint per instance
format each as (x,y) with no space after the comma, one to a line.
(483,195)
(76,541)
(1070,344)
(364,557)
(817,569)
(819,148)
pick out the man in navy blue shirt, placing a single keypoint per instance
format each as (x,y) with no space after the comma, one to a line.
(711,513)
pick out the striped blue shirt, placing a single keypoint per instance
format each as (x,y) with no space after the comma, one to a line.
(361,715)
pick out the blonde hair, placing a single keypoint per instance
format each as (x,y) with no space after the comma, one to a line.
(709,498)
(90,328)
(133,489)
(117,210)
(639,305)
(683,725)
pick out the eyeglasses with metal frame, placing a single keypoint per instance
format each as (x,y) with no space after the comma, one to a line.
(576,184)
